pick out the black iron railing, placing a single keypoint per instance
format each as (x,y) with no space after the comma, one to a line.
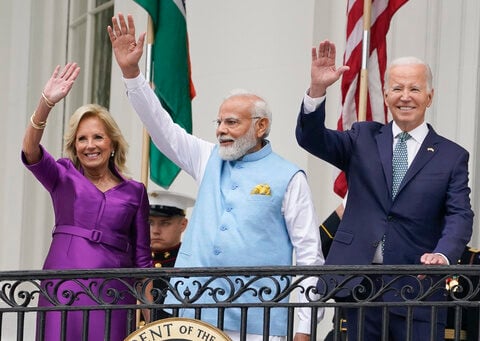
(411,286)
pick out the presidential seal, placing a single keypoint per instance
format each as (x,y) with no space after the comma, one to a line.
(178,329)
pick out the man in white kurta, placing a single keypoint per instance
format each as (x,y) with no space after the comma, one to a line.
(253,208)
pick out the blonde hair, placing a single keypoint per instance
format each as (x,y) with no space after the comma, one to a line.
(120,145)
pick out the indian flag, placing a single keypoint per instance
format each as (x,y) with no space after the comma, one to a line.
(170,75)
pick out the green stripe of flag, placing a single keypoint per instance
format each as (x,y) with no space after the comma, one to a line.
(171,76)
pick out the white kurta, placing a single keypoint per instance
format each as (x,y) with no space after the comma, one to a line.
(191,154)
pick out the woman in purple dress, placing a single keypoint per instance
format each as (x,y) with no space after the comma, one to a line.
(101,216)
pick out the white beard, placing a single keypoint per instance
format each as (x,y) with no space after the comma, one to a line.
(239,147)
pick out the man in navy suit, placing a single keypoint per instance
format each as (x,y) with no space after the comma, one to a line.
(428,221)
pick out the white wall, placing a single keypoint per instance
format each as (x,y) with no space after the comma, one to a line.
(15,21)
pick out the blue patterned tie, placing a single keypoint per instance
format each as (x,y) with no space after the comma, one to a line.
(400,166)
(399,161)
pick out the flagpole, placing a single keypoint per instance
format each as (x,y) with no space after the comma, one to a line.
(362,102)
(148,75)
(146,153)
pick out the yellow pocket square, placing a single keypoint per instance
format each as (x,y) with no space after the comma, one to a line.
(262,189)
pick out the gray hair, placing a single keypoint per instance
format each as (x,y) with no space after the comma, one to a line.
(410,61)
(260,106)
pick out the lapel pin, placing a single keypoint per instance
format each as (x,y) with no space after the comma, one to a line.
(430,149)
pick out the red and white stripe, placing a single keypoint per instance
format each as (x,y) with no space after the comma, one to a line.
(382,13)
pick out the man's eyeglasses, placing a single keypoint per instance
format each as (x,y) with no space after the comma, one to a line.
(231,122)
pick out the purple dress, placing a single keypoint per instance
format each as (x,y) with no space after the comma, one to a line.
(93,230)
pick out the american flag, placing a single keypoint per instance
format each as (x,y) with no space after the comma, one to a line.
(381,15)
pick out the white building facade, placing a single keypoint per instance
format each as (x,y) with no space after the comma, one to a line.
(263,46)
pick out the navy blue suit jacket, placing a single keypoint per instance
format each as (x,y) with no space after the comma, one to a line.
(431,212)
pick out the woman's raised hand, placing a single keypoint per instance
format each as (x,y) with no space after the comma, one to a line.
(61,82)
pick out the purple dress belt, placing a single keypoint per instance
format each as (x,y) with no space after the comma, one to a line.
(95,236)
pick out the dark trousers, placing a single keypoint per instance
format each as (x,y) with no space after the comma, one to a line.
(397,327)
(371,327)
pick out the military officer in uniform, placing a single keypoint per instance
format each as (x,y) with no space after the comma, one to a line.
(167,223)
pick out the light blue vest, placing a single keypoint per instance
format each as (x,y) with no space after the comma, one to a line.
(230,226)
